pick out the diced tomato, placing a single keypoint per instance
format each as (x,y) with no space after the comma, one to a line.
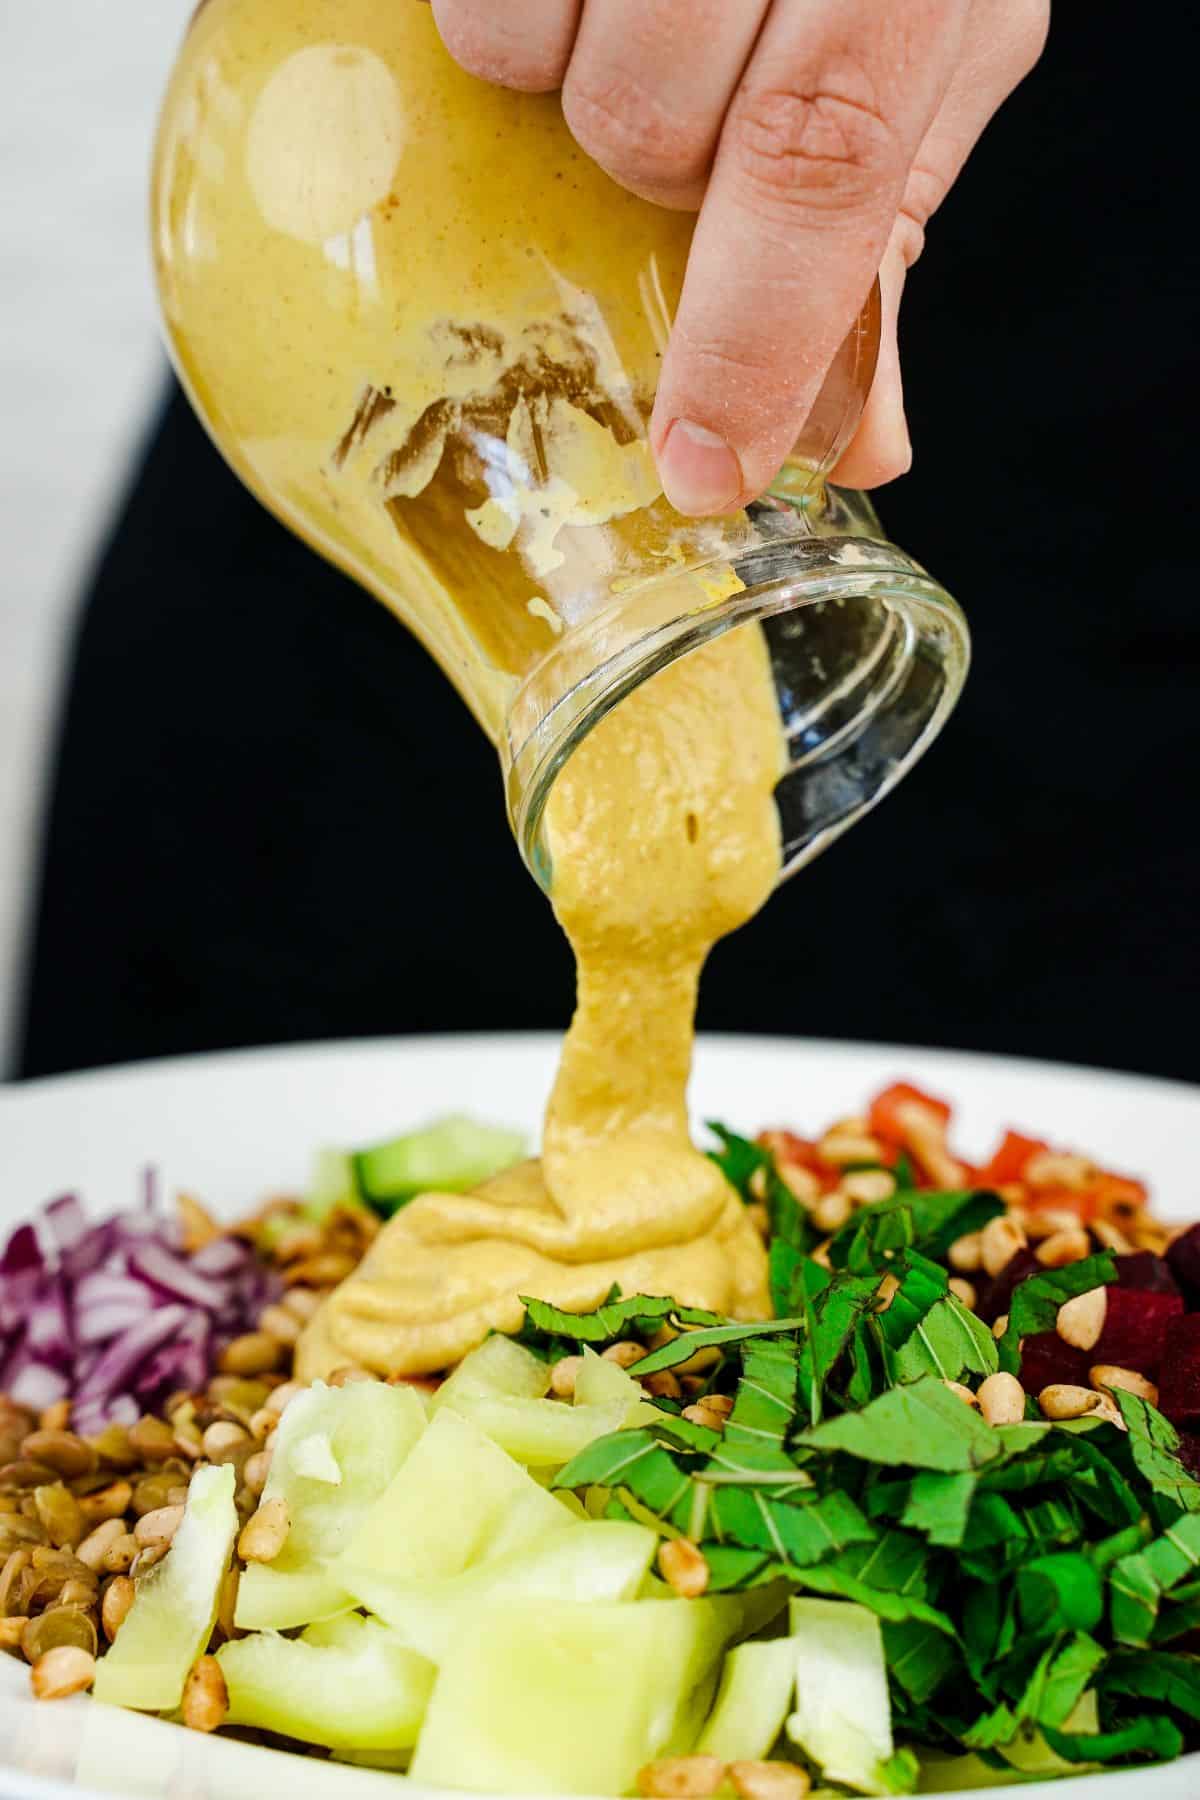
(786,1147)
(1008,1164)
(886,1116)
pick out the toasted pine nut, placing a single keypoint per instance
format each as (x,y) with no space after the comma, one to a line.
(64,1670)
(262,1424)
(1064,1401)
(1052,1168)
(278,1398)
(862,1187)
(254,1353)
(265,1533)
(281,1324)
(223,1440)
(119,1555)
(760,1218)
(118,1598)
(963,1291)
(301,1301)
(1081,1320)
(663,1384)
(159,1526)
(205,1696)
(624,1355)
(564,1375)
(1002,1399)
(840,1147)
(257,1468)
(999,1242)
(1064,1247)
(966,1253)
(962,1393)
(349,1375)
(1110,1237)
(1000,1326)
(888,1288)
(700,1414)
(821,1254)
(111,1502)
(1106,1377)
(831,1213)
(91,1552)
(769,1780)
(56,1417)
(800,1182)
(681,1778)
(682,1564)
(196,1223)
(12,1630)
(1044,1221)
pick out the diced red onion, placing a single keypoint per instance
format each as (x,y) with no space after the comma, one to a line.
(161,1269)
(117,1315)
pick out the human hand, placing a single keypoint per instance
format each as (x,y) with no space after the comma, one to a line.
(816,137)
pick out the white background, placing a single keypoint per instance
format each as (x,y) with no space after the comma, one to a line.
(79,361)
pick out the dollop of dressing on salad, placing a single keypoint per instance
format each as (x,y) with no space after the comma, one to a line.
(664,836)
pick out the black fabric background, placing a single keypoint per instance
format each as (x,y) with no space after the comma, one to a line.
(272,819)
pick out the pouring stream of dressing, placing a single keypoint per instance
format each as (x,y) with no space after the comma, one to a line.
(664,836)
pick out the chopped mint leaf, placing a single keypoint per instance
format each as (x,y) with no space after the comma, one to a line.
(1035,1302)
(1153,1737)
(1154,1446)
(922,1425)
(939,1505)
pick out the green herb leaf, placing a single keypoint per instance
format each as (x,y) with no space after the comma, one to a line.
(1035,1302)
(1156,1675)
(738,1158)
(1154,1446)
(938,1505)
(1061,1592)
(922,1425)
(1151,1736)
(617,1317)
(949,1341)
(684,1347)
(1059,1680)
(1139,1582)
(919,1657)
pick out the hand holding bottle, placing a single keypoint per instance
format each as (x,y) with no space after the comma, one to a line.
(816,138)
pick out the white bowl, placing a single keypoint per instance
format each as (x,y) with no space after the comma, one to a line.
(232,1128)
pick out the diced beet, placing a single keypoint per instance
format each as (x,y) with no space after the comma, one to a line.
(1143,1269)
(1135,1328)
(1189,1452)
(1183,1256)
(1179,1381)
(1046,1359)
(993,1297)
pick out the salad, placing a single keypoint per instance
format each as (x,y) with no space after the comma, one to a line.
(934,1525)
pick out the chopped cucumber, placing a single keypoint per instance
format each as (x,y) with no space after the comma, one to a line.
(171,1619)
(364,1432)
(843,1717)
(331,1184)
(541,1433)
(581,1562)
(457,1499)
(601,1383)
(498,1366)
(756,1691)
(448,1156)
(359,1689)
(552,1697)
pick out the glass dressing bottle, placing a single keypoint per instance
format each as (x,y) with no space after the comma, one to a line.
(425,329)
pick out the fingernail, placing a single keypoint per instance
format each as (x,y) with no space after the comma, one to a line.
(700,473)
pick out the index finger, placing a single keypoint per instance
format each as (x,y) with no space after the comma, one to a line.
(809,175)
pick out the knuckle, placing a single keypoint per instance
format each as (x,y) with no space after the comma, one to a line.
(485,48)
(827,141)
(626,129)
